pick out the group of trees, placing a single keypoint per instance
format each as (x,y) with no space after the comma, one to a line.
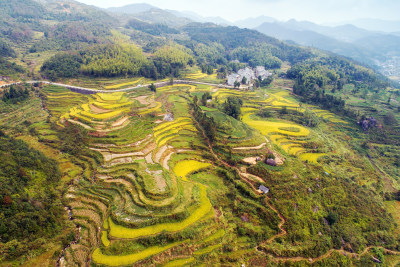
(112,60)
(207,123)
(62,65)
(15,94)
(207,69)
(313,78)
(232,106)
(30,210)
(153,29)
(118,60)
(260,82)
(204,98)
(8,68)
(6,50)
(259,54)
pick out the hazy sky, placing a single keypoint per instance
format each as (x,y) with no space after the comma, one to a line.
(320,11)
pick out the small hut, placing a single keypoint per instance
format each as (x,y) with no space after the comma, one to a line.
(264,189)
(271,162)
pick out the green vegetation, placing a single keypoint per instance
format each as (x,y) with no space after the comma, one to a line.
(29,207)
(153,29)
(15,94)
(171,174)
(232,106)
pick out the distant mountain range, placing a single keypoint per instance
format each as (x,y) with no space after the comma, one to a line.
(370,41)
(376,25)
(167,16)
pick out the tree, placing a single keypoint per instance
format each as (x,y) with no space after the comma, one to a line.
(210,70)
(236,84)
(152,87)
(244,80)
(390,119)
(266,81)
(232,106)
(204,98)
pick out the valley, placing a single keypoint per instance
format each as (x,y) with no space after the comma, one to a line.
(137,136)
(146,166)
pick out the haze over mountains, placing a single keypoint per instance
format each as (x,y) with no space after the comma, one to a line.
(370,41)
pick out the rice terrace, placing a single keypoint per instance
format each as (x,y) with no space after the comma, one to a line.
(150,140)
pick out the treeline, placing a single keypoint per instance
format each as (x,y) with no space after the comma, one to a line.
(30,210)
(153,29)
(118,60)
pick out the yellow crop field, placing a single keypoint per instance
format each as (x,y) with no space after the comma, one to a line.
(184,167)
(176,86)
(267,127)
(105,224)
(86,107)
(111,96)
(172,128)
(207,249)
(104,239)
(179,262)
(197,75)
(166,139)
(295,150)
(119,231)
(104,116)
(111,106)
(122,260)
(168,124)
(150,110)
(292,148)
(175,131)
(216,235)
(116,86)
(311,157)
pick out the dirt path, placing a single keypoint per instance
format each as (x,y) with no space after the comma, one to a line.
(98,110)
(142,99)
(250,148)
(120,122)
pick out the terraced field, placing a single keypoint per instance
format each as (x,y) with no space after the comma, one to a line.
(143,188)
(152,190)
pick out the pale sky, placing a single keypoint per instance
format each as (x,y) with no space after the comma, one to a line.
(320,11)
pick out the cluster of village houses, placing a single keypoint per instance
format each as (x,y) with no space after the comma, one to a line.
(250,75)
